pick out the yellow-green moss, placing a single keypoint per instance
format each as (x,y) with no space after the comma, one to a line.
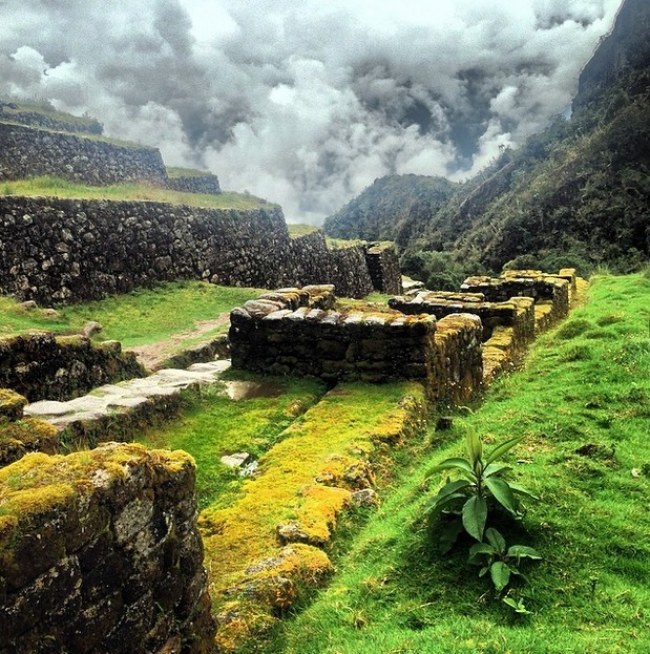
(343,430)
(11,404)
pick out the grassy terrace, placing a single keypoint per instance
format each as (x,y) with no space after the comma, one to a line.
(583,402)
(60,188)
(140,317)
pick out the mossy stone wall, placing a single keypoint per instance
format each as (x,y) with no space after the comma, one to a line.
(99,552)
(517,312)
(540,286)
(383,266)
(208,184)
(287,333)
(42,366)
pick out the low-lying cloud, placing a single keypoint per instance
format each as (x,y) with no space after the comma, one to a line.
(306,103)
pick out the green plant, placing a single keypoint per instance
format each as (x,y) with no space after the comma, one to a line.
(482,483)
(499,560)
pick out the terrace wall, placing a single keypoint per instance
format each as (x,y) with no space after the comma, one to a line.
(30,152)
(288,332)
(42,366)
(207,184)
(100,552)
(58,250)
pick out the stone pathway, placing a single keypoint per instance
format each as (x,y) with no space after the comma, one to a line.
(129,396)
(154,356)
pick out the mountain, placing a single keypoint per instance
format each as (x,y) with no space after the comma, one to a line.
(394,208)
(577,194)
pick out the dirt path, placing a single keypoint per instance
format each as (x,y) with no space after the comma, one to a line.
(153,355)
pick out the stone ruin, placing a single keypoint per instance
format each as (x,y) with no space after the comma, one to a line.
(297,331)
(100,549)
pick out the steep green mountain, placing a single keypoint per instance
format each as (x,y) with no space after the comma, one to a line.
(576,194)
(393,208)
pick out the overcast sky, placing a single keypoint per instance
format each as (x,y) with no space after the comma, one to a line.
(306,102)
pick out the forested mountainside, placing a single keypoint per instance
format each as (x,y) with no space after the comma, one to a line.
(396,208)
(576,194)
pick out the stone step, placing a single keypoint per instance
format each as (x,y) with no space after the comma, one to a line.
(140,396)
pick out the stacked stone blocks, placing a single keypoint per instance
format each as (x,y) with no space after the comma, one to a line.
(295,331)
(100,552)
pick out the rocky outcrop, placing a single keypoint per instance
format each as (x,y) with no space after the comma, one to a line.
(99,552)
(624,50)
(44,366)
(29,152)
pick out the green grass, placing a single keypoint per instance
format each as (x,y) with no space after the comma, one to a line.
(136,318)
(60,188)
(175,171)
(217,425)
(583,402)
(296,230)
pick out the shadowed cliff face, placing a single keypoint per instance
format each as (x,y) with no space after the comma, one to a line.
(626,49)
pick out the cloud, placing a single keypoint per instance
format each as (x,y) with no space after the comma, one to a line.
(306,103)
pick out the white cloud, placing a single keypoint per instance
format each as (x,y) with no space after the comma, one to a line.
(306,103)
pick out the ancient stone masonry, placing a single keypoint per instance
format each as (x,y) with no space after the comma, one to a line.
(100,552)
(208,184)
(20,435)
(56,250)
(383,266)
(43,366)
(291,332)
(516,313)
(29,152)
(551,290)
(59,124)
(311,262)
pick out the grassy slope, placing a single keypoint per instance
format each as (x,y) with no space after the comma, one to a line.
(216,425)
(142,316)
(55,187)
(587,383)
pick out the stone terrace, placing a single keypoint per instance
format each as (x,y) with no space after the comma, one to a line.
(294,331)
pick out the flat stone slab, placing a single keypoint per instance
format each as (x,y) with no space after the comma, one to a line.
(126,396)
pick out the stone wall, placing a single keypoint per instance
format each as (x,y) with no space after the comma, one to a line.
(59,124)
(312,262)
(383,266)
(290,332)
(524,283)
(518,312)
(458,369)
(44,366)
(57,250)
(20,435)
(208,184)
(99,552)
(29,152)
